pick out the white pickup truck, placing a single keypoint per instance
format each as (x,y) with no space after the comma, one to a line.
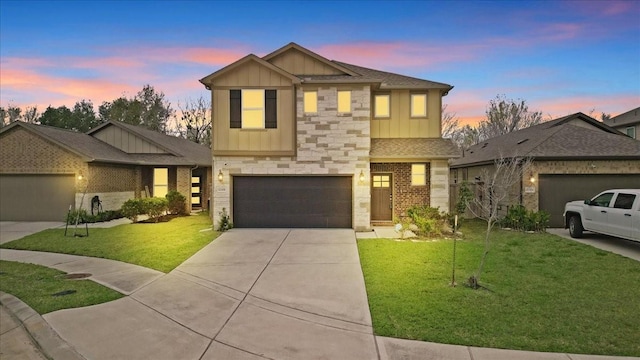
(612,212)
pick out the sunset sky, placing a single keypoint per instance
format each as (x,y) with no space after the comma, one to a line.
(560,56)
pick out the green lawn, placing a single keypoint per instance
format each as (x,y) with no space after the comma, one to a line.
(161,246)
(546,293)
(36,286)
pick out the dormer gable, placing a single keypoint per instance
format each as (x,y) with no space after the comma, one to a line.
(298,60)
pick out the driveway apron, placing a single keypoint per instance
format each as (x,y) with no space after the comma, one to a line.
(250,294)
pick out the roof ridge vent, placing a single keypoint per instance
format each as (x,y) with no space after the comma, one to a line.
(522,141)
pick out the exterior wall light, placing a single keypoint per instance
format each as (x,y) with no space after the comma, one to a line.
(220,176)
(532,179)
(361,177)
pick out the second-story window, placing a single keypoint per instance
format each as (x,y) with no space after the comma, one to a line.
(344,101)
(418,105)
(381,107)
(310,102)
(631,132)
(253,109)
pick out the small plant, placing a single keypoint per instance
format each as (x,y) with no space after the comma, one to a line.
(429,221)
(155,207)
(224,223)
(177,203)
(132,208)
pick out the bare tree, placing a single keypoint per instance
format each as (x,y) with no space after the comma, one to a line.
(496,187)
(195,120)
(507,115)
(450,123)
(14,113)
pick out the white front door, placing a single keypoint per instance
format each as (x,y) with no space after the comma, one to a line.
(621,216)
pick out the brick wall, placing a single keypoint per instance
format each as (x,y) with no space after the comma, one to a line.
(405,195)
(327,144)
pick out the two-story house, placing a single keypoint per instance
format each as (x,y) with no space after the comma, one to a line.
(303,141)
(627,123)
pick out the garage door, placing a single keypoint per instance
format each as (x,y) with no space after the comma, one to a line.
(35,197)
(557,190)
(292,201)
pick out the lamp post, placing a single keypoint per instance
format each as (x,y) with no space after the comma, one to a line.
(80,178)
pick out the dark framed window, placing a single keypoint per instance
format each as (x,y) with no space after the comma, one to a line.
(253,109)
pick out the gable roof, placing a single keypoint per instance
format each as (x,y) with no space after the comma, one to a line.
(91,149)
(208,80)
(179,147)
(566,138)
(629,118)
(351,73)
(414,148)
(309,53)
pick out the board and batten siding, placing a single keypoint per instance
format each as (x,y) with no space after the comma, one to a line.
(296,62)
(400,124)
(278,141)
(127,141)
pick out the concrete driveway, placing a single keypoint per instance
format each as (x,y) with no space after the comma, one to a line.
(12,230)
(250,294)
(627,248)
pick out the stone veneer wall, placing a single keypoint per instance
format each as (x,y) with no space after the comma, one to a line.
(327,144)
(440,185)
(531,200)
(405,195)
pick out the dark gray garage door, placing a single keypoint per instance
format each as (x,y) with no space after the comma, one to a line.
(556,190)
(35,197)
(292,201)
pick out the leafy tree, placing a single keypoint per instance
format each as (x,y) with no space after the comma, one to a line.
(57,117)
(83,116)
(12,113)
(195,124)
(147,108)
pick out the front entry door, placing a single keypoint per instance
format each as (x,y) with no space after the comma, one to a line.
(381,198)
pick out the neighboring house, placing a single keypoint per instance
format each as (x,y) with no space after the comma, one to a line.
(45,170)
(574,158)
(302,141)
(627,123)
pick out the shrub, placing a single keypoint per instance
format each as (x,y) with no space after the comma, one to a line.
(155,207)
(85,217)
(177,203)
(519,218)
(430,221)
(133,208)
(224,223)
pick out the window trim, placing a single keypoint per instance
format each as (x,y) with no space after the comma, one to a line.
(375,106)
(341,111)
(426,107)
(304,101)
(423,174)
(633,128)
(244,108)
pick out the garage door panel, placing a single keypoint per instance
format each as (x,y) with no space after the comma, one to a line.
(555,190)
(30,197)
(298,201)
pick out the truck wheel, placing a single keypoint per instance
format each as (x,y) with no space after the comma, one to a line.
(575,227)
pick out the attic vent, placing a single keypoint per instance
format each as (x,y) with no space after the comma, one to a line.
(485,145)
(523,140)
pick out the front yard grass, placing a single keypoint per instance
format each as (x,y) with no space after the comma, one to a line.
(36,285)
(160,246)
(546,293)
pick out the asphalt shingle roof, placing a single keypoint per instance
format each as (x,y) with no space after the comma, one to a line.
(92,149)
(562,138)
(432,148)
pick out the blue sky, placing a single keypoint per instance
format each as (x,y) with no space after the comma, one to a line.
(560,56)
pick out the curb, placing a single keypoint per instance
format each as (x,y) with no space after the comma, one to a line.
(45,338)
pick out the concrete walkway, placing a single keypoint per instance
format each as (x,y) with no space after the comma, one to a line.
(250,294)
